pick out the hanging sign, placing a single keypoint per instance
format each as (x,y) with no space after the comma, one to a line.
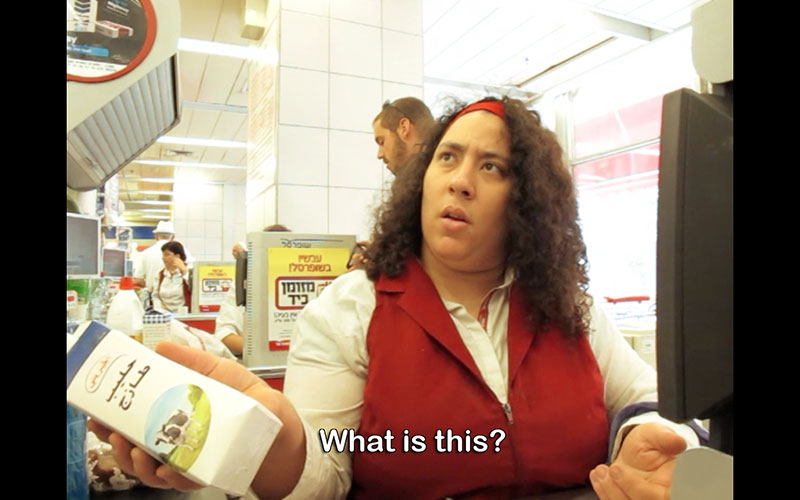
(297,276)
(107,38)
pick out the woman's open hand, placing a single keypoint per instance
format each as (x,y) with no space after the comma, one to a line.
(643,469)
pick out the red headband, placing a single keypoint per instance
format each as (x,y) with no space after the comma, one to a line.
(494,107)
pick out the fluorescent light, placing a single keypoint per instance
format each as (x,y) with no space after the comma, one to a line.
(189,164)
(249,52)
(148,202)
(154,217)
(152,179)
(196,141)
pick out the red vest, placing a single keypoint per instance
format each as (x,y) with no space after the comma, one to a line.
(421,379)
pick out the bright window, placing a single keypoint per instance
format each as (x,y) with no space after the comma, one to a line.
(618,198)
(621,127)
(615,119)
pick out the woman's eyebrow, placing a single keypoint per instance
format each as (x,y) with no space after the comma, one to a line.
(458,147)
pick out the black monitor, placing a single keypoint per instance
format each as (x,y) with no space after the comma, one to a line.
(114,261)
(694,269)
(241,279)
(83,246)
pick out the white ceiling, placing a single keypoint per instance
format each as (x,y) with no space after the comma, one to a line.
(520,46)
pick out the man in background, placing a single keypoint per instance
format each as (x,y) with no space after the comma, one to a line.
(400,129)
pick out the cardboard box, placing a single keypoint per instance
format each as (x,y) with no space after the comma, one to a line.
(155,327)
(204,429)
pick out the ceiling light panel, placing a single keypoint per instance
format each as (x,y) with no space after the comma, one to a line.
(478,40)
(505,49)
(148,202)
(248,52)
(453,24)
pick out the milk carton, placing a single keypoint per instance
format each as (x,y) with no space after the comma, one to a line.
(204,429)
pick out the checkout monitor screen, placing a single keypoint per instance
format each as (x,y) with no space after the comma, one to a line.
(83,245)
(114,262)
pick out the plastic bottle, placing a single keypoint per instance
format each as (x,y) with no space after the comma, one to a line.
(98,302)
(126,311)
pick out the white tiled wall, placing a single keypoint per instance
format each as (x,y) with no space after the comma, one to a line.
(209,218)
(319,7)
(352,160)
(304,154)
(403,15)
(339,60)
(354,102)
(350,211)
(359,11)
(304,40)
(303,208)
(303,97)
(355,49)
(402,61)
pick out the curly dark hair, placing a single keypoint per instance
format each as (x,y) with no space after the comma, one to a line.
(544,244)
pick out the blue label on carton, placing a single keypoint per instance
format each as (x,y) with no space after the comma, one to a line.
(76,356)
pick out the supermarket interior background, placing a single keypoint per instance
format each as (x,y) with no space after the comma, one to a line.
(595,69)
(268,116)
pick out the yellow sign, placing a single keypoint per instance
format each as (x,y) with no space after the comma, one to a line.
(214,282)
(297,276)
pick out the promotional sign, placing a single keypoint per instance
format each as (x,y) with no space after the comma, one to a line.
(297,276)
(212,284)
(107,38)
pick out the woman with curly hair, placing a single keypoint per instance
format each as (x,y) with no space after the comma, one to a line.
(542,238)
(467,360)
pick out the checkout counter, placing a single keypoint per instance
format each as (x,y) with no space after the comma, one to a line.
(214,494)
(207,322)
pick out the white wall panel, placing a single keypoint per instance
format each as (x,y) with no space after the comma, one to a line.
(354,102)
(196,226)
(213,229)
(353,160)
(303,208)
(355,49)
(393,90)
(402,57)
(304,41)
(213,212)
(403,15)
(359,11)
(303,97)
(319,7)
(351,211)
(302,155)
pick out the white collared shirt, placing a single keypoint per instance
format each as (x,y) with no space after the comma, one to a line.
(169,294)
(230,319)
(328,363)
